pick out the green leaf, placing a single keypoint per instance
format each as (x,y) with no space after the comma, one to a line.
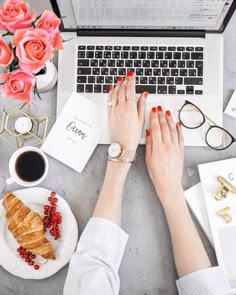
(36,91)
(37,18)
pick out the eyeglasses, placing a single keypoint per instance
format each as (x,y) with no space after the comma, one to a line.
(216,137)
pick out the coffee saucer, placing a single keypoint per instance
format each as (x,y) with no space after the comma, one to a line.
(36,198)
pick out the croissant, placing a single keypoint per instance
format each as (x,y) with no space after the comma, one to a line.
(27,227)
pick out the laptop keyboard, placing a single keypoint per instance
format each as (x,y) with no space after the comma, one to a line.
(159,69)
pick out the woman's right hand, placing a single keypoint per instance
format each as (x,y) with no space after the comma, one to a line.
(165,153)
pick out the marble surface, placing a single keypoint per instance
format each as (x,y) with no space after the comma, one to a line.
(148,265)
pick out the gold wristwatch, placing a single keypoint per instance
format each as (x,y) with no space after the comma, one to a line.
(117,153)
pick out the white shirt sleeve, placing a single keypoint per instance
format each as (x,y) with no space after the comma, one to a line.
(209,281)
(94,266)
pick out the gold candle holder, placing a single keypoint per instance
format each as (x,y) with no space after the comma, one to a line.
(23,125)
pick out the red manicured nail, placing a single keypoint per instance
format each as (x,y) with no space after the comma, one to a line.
(130,74)
(154,110)
(159,108)
(111,88)
(120,79)
(148,132)
(168,113)
(146,94)
(179,124)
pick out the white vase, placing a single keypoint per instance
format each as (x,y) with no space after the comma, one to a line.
(47,81)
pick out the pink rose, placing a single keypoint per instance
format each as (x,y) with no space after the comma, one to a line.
(33,49)
(6,53)
(18,84)
(15,15)
(50,22)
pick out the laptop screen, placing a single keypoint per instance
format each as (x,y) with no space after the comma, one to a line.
(206,15)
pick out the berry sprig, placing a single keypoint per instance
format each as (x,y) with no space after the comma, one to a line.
(52,218)
(28,257)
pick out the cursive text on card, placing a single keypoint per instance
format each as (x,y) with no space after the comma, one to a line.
(74,128)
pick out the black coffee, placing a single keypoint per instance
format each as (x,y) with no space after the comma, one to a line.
(30,166)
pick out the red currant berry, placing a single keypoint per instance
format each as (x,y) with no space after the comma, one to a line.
(36,266)
(53,194)
(31,262)
(22,255)
(49,199)
(55,200)
(33,256)
(46,207)
(27,260)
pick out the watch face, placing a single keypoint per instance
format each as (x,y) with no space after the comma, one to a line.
(114,150)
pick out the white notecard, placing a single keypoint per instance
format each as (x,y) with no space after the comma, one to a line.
(76,132)
(223,233)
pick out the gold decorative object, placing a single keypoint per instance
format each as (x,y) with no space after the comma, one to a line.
(225,213)
(226,187)
(24,125)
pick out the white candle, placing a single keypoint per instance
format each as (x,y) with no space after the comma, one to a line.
(23,125)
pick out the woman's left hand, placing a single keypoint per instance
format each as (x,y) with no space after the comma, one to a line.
(126,118)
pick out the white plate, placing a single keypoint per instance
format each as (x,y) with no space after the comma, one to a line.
(36,198)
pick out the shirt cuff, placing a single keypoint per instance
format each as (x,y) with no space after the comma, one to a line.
(209,281)
(104,240)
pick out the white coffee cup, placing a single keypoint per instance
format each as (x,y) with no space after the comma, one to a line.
(12,167)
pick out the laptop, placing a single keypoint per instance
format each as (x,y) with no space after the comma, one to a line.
(175,48)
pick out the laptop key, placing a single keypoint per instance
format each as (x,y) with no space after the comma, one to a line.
(198,92)
(159,55)
(100,79)
(98,54)
(189,90)
(81,47)
(113,71)
(142,55)
(171,48)
(80,87)
(164,63)
(150,55)
(84,71)
(185,55)
(183,72)
(97,88)
(105,88)
(120,63)
(126,48)
(81,79)
(143,80)
(142,88)
(148,72)
(121,71)
(190,64)
(90,47)
(117,47)
(89,88)
(200,72)
(198,48)
(99,47)
(193,81)
(90,54)
(156,72)
(165,72)
(170,80)
(96,71)
(102,63)
(181,64)
(83,62)
(107,54)
(180,91)
(152,80)
(162,89)
(108,80)
(162,48)
(171,89)
(81,54)
(192,72)
(161,80)
(180,48)
(124,54)
(197,55)
(133,55)
(146,63)
(104,71)
(178,80)
(144,48)
(174,72)
(139,72)
(153,48)
(116,54)
(94,62)
(91,79)
(111,63)
(172,64)
(168,55)
(137,63)
(108,47)
(135,48)
(177,55)
(128,63)
(190,48)
(155,63)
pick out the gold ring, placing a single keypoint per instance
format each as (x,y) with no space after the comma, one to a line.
(112,103)
(127,98)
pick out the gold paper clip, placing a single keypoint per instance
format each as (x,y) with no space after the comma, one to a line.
(225,213)
(226,187)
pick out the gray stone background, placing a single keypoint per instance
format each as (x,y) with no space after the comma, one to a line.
(148,265)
